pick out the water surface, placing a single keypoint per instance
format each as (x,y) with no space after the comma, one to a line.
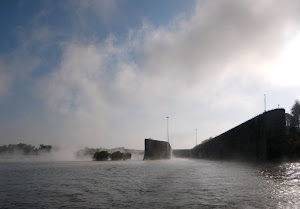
(176,183)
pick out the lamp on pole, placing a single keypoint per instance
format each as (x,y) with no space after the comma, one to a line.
(196,136)
(168,128)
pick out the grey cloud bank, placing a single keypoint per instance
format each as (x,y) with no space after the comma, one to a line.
(206,70)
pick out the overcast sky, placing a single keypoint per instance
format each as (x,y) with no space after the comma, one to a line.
(108,73)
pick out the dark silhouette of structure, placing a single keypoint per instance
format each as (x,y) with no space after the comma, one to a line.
(156,150)
(258,139)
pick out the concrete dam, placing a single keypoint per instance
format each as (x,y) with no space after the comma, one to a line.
(258,139)
(155,150)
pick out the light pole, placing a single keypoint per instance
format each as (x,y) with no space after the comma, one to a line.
(196,136)
(265,101)
(168,128)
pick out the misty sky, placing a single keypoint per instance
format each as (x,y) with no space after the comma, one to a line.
(107,73)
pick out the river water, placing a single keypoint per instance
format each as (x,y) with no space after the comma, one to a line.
(176,183)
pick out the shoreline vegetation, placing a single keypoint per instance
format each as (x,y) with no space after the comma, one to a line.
(104,156)
(28,151)
(291,144)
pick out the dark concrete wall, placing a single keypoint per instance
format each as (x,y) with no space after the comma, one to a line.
(257,139)
(155,150)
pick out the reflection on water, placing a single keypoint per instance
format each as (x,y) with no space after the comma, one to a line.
(176,183)
(284,180)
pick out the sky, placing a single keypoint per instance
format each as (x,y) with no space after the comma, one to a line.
(107,73)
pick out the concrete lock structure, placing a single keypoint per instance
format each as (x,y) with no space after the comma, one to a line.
(258,139)
(155,150)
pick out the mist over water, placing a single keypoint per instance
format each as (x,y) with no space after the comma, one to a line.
(181,183)
(66,153)
(62,154)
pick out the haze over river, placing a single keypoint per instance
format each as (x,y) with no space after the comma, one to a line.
(180,183)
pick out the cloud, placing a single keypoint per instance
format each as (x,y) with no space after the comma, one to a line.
(205,58)
(205,70)
(5,82)
(220,34)
(105,9)
(15,67)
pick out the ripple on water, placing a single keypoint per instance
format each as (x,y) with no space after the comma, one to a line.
(284,183)
(149,184)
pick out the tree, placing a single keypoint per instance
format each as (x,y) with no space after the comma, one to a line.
(117,156)
(46,148)
(120,156)
(127,156)
(101,156)
(288,119)
(295,115)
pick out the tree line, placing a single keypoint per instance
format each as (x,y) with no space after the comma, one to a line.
(90,152)
(95,154)
(104,155)
(291,145)
(25,149)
